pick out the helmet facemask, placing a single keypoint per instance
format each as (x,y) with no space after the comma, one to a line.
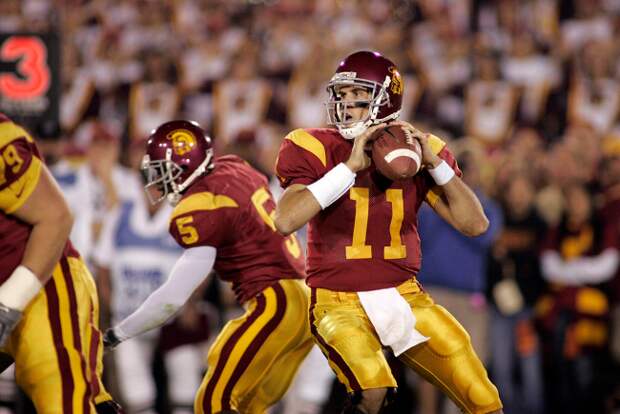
(163,175)
(338,109)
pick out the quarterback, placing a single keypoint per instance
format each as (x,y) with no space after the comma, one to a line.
(223,218)
(48,302)
(364,248)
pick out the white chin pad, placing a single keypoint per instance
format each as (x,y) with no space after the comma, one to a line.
(353,131)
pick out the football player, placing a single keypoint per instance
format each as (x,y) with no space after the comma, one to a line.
(364,249)
(48,301)
(134,254)
(223,218)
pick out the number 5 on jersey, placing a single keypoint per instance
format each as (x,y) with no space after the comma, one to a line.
(259,198)
(188,232)
(358,248)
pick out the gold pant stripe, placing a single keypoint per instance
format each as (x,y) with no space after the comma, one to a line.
(254,358)
(62,353)
(78,362)
(258,340)
(63,315)
(335,359)
(238,342)
(51,343)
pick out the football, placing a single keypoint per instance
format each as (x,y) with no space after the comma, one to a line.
(396,153)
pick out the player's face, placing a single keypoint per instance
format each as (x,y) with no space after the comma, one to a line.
(154,192)
(355,103)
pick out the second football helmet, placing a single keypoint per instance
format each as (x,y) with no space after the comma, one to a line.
(177,153)
(380,77)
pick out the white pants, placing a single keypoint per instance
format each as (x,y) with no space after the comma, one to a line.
(311,386)
(184,366)
(8,388)
(134,358)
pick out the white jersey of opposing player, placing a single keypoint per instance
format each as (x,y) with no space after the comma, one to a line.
(86,198)
(138,251)
(76,183)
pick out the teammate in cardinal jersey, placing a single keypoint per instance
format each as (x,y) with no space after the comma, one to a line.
(364,248)
(48,302)
(223,218)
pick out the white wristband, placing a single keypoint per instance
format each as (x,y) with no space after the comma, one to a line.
(332,185)
(442,174)
(19,289)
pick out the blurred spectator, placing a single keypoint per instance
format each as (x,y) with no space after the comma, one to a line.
(594,95)
(534,73)
(242,99)
(458,284)
(589,23)
(514,286)
(490,103)
(306,91)
(93,181)
(580,257)
(157,98)
(610,182)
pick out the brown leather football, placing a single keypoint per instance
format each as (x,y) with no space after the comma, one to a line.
(396,153)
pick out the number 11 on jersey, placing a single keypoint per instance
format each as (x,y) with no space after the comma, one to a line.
(358,248)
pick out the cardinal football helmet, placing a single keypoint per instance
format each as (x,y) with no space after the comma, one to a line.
(380,77)
(177,153)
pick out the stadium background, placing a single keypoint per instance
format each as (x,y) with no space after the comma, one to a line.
(526,92)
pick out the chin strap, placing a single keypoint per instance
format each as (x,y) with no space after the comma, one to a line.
(356,130)
(361,127)
(177,189)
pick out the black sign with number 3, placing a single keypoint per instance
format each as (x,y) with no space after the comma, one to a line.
(30,79)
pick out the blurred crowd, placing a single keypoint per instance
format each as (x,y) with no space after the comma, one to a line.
(526,93)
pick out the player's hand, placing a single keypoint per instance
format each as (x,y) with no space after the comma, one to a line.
(429,158)
(359,160)
(110,340)
(8,320)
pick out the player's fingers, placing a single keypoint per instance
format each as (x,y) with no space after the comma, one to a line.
(405,125)
(370,131)
(422,138)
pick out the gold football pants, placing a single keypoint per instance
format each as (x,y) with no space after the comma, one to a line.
(348,339)
(253,360)
(57,344)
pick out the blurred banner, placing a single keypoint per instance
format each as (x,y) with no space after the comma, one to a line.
(30,79)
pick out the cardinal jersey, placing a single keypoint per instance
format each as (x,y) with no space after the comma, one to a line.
(368,239)
(232,210)
(20,166)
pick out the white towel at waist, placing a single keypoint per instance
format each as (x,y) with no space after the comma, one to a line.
(392,318)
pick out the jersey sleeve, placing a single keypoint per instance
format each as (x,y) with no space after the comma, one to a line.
(302,159)
(20,166)
(203,219)
(440,148)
